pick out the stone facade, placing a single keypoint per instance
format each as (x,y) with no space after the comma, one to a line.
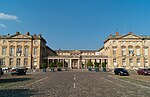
(23,50)
(129,51)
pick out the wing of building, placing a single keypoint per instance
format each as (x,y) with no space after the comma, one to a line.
(23,50)
(129,51)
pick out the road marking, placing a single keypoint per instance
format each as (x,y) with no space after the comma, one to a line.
(36,81)
(74,85)
(113,82)
(74,77)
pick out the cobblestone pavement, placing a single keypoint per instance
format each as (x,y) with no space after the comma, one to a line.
(73,84)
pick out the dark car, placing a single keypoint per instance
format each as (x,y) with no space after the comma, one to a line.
(1,71)
(19,71)
(144,71)
(121,71)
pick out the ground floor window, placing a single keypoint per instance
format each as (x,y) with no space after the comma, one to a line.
(138,62)
(114,62)
(123,62)
(2,62)
(146,62)
(11,61)
(18,61)
(25,61)
(131,62)
(35,62)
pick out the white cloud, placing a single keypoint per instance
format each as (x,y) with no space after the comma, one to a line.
(3,25)
(8,17)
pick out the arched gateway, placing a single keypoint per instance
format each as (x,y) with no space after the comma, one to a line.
(76,59)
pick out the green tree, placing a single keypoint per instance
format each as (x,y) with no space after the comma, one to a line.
(52,64)
(89,63)
(59,64)
(96,64)
(44,65)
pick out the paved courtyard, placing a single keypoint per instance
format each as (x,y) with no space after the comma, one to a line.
(74,84)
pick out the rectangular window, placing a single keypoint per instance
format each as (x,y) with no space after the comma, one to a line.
(146,62)
(2,62)
(146,51)
(35,51)
(114,52)
(131,52)
(10,61)
(35,62)
(12,51)
(123,52)
(19,51)
(137,51)
(18,61)
(131,62)
(114,62)
(123,62)
(26,51)
(25,61)
(3,50)
(138,62)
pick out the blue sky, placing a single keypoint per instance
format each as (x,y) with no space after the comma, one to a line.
(75,24)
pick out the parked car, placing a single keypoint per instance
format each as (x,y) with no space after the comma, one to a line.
(121,71)
(143,71)
(18,71)
(1,71)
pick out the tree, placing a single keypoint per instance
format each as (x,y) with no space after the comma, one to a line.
(104,66)
(44,65)
(96,64)
(59,64)
(52,64)
(89,63)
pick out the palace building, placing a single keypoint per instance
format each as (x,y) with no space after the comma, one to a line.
(24,50)
(129,51)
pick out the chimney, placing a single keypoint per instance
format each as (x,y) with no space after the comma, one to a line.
(34,35)
(129,32)
(117,33)
(17,32)
(27,33)
(40,35)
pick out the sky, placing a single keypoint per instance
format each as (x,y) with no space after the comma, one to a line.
(75,24)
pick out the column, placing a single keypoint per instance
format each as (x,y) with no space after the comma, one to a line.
(70,64)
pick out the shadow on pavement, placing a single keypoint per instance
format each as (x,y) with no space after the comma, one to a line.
(17,93)
(13,80)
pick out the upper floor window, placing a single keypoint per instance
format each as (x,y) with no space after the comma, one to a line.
(12,51)
(146,51)
(114,51)
(123,42)
(137,51)
(131,52)
(35,51)
(4,41)
(123,51)
(114,41)
(3,50)
(35,42)
(26,51)
(19,50)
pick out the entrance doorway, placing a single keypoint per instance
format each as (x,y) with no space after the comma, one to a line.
(74,64)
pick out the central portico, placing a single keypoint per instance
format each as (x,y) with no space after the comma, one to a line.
(76,59)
